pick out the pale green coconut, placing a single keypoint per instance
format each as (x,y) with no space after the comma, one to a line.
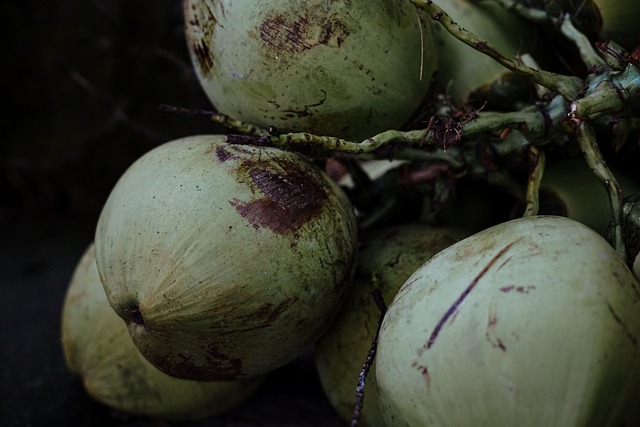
(346,68)
(620,21)
(463,69)
(226,261)
(570,188)
(533,322)
(386,260)
(98,348)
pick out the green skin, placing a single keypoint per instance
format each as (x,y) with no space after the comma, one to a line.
(532,322)
(508,33)
(569,188)
(386,260)
(345,68)
(226,261)
(619,22)
(98,348)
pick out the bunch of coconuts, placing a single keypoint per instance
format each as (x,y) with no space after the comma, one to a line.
(216,262)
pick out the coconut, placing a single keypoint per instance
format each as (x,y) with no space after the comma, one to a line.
(386,260)
(570,188)
(226,261)
(345,68)
(98,348)
(532,322)
(461,68)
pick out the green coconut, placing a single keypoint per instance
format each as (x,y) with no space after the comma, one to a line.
(532,322)
(98,348)
(226,261)
(386,260)
(345,68)
(570,188)
(463,69)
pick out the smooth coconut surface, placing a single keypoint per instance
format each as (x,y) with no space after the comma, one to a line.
(98,348)
(386,260)
(532,322)
(226,261)
(349,69)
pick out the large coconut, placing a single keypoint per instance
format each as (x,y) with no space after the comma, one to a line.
(346,68)
(532,322)
(225,261)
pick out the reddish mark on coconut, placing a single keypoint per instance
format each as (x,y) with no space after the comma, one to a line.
(293,195)
(287,34)
(491,330)
(454,307)
(220,366)
(424,371)
(223,153)
(226,152)
(209,364)
(518,288)
(269,312)
(622,324)
(198,37)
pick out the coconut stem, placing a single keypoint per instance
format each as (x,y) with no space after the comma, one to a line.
(591,152)
(588,54)
(532,14)
(443,132)
(536,170)
(567,86)
(607,94)
(222,119)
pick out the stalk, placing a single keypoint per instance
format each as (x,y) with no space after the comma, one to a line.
(537,160)
(591,152)
(587,53)
(608,93)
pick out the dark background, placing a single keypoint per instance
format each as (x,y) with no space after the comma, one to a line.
(81,86)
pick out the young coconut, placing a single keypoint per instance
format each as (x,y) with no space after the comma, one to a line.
(226,261)
(386,260)
(462,69)
(570,188)
(349,69)
(619,21)
(98,348)
(532,322)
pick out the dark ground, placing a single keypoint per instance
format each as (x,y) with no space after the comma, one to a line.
(82,82)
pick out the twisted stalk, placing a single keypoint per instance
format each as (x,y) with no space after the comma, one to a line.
(532,121)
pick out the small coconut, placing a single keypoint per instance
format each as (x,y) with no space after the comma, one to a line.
(387,258)
(98,348)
